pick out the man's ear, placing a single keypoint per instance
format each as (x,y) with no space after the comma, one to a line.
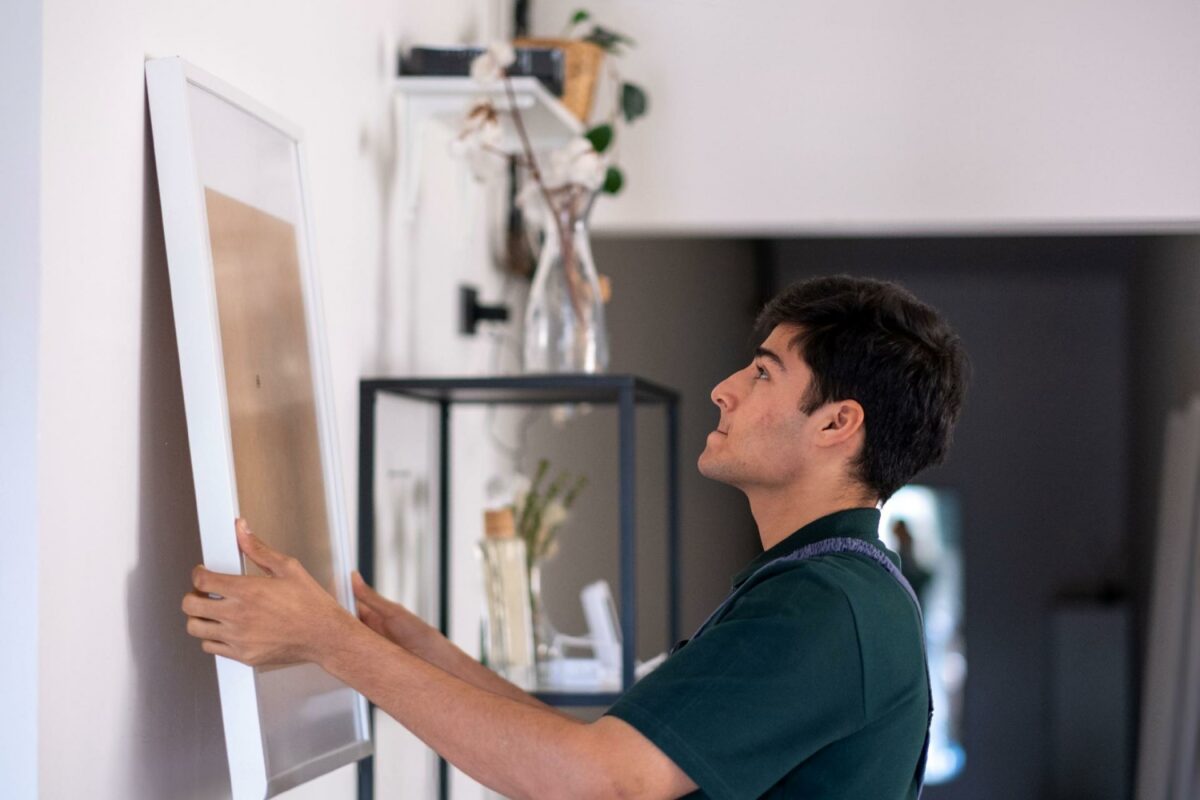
(842,420)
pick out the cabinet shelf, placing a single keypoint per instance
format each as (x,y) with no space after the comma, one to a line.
(525,389)
(626,393)
(577,699)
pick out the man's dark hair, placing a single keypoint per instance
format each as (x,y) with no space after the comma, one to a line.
(874,342)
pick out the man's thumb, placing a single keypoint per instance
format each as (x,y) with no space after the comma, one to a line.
(362,592)
(269,560)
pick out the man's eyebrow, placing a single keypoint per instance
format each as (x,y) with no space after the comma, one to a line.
(762,352)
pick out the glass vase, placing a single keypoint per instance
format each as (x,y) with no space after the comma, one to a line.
(545,635)
(564,320)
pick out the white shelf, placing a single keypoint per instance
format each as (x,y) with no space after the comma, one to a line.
(446,100)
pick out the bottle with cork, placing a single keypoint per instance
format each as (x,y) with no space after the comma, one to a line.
(508,628)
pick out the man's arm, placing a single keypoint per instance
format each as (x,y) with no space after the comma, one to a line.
(519,748)
(404,628)
(401,627)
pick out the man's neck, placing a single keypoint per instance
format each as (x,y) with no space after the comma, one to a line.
(780,513)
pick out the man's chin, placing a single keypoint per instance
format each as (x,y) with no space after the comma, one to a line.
(710,468)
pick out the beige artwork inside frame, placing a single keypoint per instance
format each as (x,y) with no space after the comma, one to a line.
(269,382)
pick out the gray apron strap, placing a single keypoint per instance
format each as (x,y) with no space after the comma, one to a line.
(824,547)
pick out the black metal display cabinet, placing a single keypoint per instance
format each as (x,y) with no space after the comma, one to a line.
(626,392)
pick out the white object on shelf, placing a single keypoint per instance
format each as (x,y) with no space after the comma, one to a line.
(578,674)
(446,100)
(603,671)
(603,625)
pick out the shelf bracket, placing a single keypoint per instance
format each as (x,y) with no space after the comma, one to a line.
(445,101)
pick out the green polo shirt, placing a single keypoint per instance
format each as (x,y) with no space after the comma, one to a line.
(811,685)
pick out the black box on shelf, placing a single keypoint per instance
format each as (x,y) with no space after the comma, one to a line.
(543,63)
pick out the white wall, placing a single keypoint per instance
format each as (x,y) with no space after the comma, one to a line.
(800,117)
(127,702)
(20,126)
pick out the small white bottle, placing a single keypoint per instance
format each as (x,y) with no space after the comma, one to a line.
(508,630)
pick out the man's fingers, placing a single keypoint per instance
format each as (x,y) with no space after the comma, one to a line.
(362,592)
(217,648)
(369,616)
(203,628)
(270,561)
(209,582)
(201,605)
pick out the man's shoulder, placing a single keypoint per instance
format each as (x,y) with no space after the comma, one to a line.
(830,579)
(795,608)
(852,606)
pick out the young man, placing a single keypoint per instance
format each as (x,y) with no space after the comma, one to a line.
(808,682)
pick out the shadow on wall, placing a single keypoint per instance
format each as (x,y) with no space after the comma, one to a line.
(176,745)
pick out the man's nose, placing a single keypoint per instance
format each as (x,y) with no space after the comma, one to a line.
(722,394)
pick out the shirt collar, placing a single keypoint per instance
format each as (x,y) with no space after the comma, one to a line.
(853,523)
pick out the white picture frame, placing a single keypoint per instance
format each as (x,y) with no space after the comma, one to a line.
(215,148)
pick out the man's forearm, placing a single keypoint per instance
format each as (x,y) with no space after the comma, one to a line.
(435,648)
(515,747)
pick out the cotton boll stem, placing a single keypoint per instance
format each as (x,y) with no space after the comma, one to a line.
(574,280)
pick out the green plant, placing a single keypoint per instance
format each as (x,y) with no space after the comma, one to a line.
(541,512)
(631,101)
(562,187)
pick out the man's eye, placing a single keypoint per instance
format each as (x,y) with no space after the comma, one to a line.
(762,373)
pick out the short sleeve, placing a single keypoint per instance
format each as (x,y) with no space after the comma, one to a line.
(775,680)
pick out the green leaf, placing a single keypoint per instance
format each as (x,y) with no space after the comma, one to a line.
(569,500)
(543,465)
(580,16)
(609,40)
(633,101)
(601,137)
(614,179)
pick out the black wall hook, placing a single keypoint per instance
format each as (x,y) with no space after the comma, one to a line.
(471,311)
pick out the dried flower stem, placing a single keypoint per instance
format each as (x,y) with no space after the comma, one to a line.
(496,151)
(574,281)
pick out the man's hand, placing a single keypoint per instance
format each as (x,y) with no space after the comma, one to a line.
(283,618)
(391,620)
